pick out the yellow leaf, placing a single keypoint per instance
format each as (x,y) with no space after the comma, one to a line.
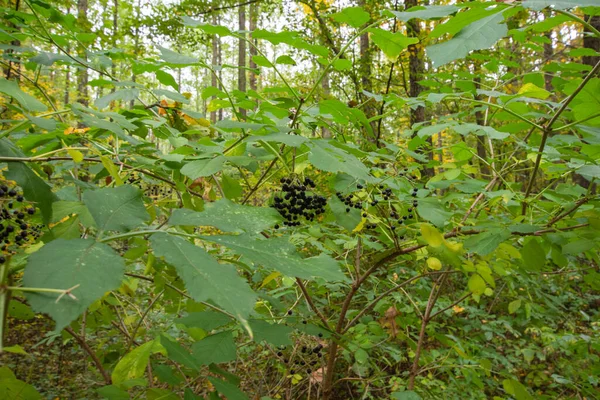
(269,278)
(360,226)
(432,236)
(454,246)
(112,169)
(203,122)
(76,155)
(458,309)
(434,264)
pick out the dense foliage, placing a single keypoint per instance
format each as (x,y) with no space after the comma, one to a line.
(277,200)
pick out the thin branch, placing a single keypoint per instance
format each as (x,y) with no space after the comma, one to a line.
(213,9)
(311,303)
(91,353)
(578,204)
(450,306)
(146,311)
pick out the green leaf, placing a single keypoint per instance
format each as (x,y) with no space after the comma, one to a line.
(479,35)
(279,254)
(286,60)
(172,95)
(516,389)
(330,158)
(433,211)
(578,246)
(275,334)
(30,103)
(204,278)
(210,29)
(486,242)
(133,365)
(513,306)
(218,348)
(175,58)
(476,284)
(538,5)
(432,236)
(534,257)
(392,44)
(279,137)
(353,16)
(178,353)
(207,320)
(121,94)
(342,64)
(63,264)
(533,91)
(405,395)
(166,79)
(425,12)
(112,392)
(204,167)
(12,388)
(589,171)
(35,188)
(116,209)
(228,217)
(230,391)
(262,61)
(462,19)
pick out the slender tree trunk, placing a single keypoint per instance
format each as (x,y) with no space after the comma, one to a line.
(589,42)
(325,132)
(82,75)
(253,26)
(480,119)
(548,53)
(214,62)
(136,45)
(242,54)
(8,70)
(115,33)
(366,78)
(416,68)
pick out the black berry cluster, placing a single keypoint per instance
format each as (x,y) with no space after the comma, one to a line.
(15,230)
(296,201)
(351,201)
(303,360)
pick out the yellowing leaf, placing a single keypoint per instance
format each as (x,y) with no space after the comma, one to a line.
(203,122)
(476,284)
(432,236)
(360,225)
(270,277)
(453,246)
(434,263)
(458,309)
(76,155)
(531,90)
(112,169)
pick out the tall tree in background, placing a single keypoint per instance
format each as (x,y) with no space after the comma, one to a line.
(82,74)
(254,12)
(416,68)
(242,53)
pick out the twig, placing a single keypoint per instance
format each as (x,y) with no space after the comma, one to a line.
(146,311)
(450,306)
(311,303)
(91,353)
(578,204)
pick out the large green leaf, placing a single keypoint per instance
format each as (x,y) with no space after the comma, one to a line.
(133,365)
(229,390)
(486,242)
(63,264)
(178,353)
(204,278)
(35,188)
(30,103)
(330,158)
(433,211)
(279,254)
(516,389)
(481,34)
(538,5)
(175,58)
(391,43)
(121,94)
(12,388)
(116,209)
(275,334)
(205,167)
(217,348)
(425,12)
(228,217)
(533,255)
(207,320)
(353,16)
(462,19)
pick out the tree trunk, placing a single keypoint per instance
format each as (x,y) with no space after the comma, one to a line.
(253,26)
(366,82)
(16,43)
(215,61)
(115,32)
(242,54)
(82,74)
(416,68)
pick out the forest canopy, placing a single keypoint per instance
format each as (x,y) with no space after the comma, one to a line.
(309,199)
